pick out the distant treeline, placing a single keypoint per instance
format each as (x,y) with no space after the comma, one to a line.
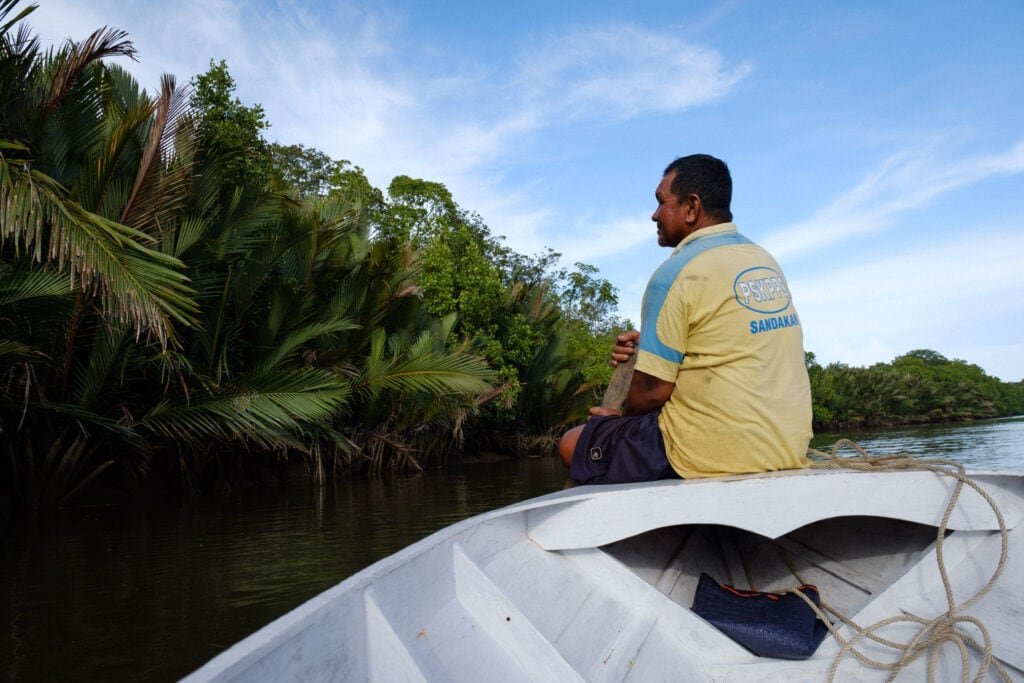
(185,305)
(917,387)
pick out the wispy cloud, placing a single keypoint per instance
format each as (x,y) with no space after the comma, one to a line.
(889,306)
(614,72)
(904,182)
(599,74)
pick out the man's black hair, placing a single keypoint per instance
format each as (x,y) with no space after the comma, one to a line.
(706,177)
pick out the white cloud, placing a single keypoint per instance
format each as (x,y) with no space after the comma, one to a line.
(904,182)
(56,21)
(863,313)
(620,71)
(594,241)
(176,38)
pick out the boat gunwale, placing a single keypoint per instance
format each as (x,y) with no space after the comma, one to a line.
(663,504)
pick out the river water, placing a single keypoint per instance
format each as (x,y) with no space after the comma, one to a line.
(146,593)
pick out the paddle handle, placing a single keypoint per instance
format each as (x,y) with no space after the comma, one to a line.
(618,387)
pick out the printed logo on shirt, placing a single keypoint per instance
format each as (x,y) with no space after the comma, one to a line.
(596,454)
(762,290)
(776,322)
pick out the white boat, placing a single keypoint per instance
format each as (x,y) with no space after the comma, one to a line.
(596,584)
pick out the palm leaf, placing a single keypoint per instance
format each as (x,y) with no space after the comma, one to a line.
(15,350)
(6,7)
(164,177)
(73,58)
(136,284)
(103,183)
(18,60)
(22,286)
(299,338)
(96,378)
(86,421)
(268,410)
(433,373)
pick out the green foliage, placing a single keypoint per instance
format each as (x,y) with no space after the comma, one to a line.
(919,386)
(269,351)
(587,298)
(82,277)
(230,129)
(588,303)
(546,331)
(349,182)
(419,211)
(301,168)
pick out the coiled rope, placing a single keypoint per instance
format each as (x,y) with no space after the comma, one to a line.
(944,628)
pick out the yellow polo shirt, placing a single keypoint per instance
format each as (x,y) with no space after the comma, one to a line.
(718,320)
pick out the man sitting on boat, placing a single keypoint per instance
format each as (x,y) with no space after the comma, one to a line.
(720,385)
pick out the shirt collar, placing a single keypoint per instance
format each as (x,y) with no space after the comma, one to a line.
(710,231)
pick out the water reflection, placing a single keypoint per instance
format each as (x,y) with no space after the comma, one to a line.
(153,593)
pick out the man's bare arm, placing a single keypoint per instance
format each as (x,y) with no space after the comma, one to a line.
(646,393)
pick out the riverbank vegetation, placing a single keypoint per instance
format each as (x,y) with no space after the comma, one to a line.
(918,387)
(184,302)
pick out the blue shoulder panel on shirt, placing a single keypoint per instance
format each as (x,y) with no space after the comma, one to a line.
(661,282)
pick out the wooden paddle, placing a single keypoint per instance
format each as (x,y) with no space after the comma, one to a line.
(615,394)
(618,386)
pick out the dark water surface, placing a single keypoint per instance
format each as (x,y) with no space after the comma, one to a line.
(141,593)
(115,593)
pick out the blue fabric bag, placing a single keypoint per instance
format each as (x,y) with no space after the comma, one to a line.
(777,625)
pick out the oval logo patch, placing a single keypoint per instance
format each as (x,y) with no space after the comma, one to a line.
(762,290)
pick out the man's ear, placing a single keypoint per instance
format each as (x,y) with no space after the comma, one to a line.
(694,209)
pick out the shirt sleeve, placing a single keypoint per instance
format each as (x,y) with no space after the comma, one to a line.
(664,328)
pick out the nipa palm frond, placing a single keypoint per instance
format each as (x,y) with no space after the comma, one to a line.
(85,421)
(435,373)
(96,377)
(73,58)
(267,410)
(6,7)
(298,338)
(22,286)
(13,350)
(164,177)
(137,284)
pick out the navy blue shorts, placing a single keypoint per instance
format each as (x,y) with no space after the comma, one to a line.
(616,449)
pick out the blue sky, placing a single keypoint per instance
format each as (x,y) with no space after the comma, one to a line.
(877,148)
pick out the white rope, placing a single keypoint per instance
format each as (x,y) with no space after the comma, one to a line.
(945,627)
